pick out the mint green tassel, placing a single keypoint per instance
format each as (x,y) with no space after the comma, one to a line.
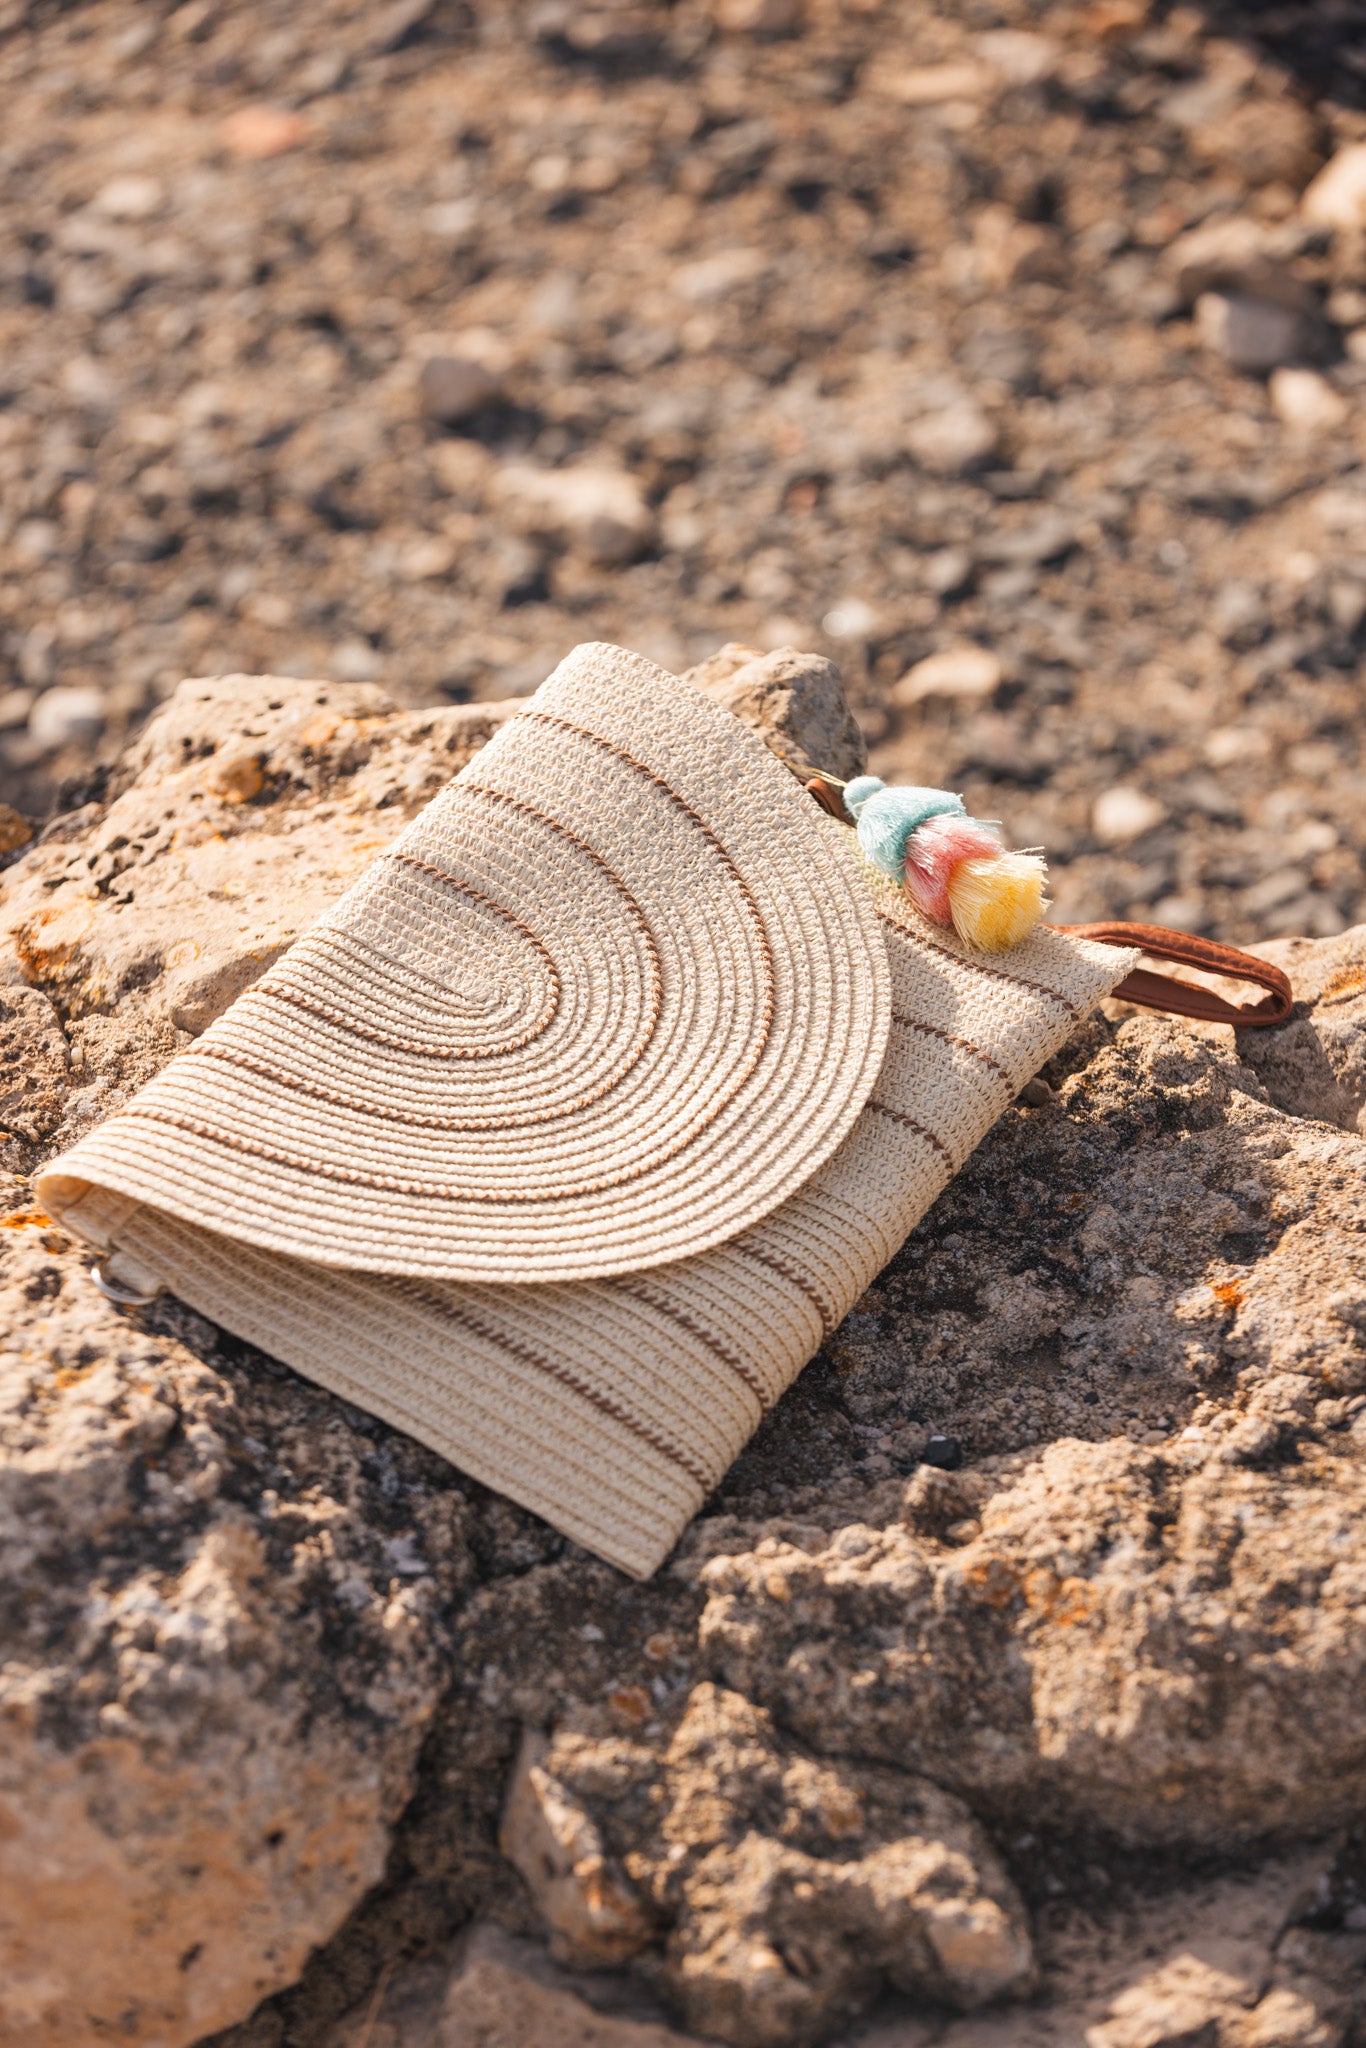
(887,817)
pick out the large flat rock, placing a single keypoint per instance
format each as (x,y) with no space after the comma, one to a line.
(269,1667)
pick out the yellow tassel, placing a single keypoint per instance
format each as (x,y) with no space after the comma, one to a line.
(997,902)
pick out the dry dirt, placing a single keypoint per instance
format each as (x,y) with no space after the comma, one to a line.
(867,328)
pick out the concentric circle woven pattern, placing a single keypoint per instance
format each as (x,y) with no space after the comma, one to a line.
(614,996)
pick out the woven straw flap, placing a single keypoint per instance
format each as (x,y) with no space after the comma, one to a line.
(615,996)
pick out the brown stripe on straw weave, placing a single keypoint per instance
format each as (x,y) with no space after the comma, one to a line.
(432,1120)
(899,1116)
(704,1336)
(794,1278)
(745,892)
(274,985)
(527,1354)
(950,1038)
(393,1184)
(417,1119)
(1038,988)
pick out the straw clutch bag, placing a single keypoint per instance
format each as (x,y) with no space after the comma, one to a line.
(588,1112)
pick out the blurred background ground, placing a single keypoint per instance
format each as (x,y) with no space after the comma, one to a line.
(415,341)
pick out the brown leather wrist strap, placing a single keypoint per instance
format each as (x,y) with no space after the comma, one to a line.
(1183,998)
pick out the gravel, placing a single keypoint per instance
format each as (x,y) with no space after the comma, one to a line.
(887,332)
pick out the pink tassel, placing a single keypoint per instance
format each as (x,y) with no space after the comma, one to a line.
(933,851)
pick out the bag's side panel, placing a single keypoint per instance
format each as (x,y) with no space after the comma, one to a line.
(613,1407)
(966,1035)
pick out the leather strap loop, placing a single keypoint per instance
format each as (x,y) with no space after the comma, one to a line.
(1182,998)
(829,796)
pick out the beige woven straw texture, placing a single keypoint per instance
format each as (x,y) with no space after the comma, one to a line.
(614,996)
(612,1407)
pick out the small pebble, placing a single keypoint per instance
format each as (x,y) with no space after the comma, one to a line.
(970,672)
(944,1452)
(1337,197)
(948,571)
(1251,334)
(256,132)
(65,714)
(1307,401)
(1121,814)
(130,198)
(953,441)
(355,661)
(930,85)
(453,387)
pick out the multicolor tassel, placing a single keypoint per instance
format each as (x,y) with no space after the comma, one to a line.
(954,868)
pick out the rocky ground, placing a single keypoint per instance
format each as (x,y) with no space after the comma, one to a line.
(415,341)
(1006,1694)
(1015,356)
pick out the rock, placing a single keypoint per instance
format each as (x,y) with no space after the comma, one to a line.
(496,1991)
(15,830)
(211,1726)
(35,1063)
(603,511)
(354,661)
(260,1648)
(1182,1963)
(791,1885)
(1337,197)
(1011,251)
(953,441)
(1226,1954)
(1174,1781)
(257,132)
(1019,56)
(713,278)
(1262,141)
(929,85)
(497,2002)
(1251,333)
(793,701)
(948,570)
(1237,254)
(64,714)
(1315,1066)
(943,1453)
(1119,815)
(592,1913)
(970,672)
(1307,401)
(1045,539)
(130,198)
(453,387)
(757,17)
